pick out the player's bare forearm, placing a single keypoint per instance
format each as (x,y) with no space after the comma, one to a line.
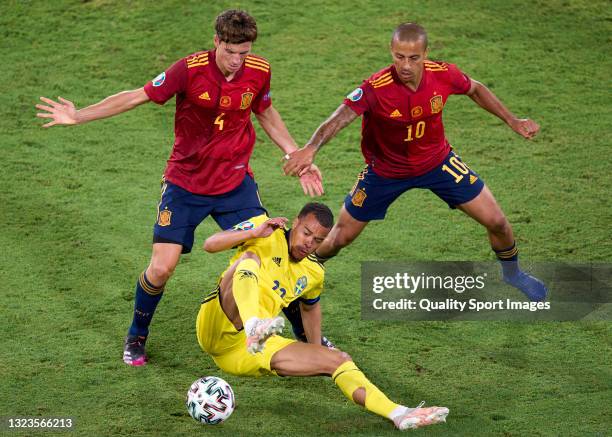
(225,240)
(113,105)
(311,319)
(485,98)
(63,112)
(340,118)
(274,126)
(301,159)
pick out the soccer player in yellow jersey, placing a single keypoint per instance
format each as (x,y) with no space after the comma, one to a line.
(238,322)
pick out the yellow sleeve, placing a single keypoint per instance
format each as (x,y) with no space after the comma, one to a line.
(313,295)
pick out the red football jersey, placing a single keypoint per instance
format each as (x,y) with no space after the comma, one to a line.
(214,136)
(402,133)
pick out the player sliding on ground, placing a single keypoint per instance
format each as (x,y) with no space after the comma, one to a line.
(404,146)
(238,322)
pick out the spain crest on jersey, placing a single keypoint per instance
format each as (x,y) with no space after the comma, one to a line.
(359,196)
(165,217)
(436,104)
(247,98)
(300,285)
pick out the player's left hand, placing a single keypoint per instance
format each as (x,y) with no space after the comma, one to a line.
(312,181)
(525,127)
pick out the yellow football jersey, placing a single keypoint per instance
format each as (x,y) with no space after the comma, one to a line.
(281,281)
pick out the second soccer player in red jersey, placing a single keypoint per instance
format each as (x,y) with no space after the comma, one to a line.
(404,146)
(208,171)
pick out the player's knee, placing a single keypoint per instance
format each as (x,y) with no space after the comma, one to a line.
(499,225)
(159,272)
(338,359)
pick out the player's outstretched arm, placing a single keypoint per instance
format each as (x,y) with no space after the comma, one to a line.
(311,318)
(229,239)
(485,98)
(274,126)
(299,161)
(63,112)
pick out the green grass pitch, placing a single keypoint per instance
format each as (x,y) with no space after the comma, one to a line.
(77,207)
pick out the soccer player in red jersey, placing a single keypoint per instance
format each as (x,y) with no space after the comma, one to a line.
(404,146)
(208,172)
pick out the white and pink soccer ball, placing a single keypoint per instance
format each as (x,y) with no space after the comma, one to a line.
(210,400)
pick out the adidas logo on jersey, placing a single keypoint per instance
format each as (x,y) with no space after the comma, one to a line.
(204,96)
(396,113)
(473,179)
(277,260)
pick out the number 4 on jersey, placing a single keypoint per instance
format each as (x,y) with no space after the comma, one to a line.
(219,121)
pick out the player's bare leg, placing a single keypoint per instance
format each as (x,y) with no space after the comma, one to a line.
(342,234)
(240,302)
(149,291)
(305,359)
(486,211)
(164,259)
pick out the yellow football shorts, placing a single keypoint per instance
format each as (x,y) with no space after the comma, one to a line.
(227,346)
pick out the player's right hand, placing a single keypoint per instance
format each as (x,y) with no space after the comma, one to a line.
(61,113)
(269,226)
(298,162)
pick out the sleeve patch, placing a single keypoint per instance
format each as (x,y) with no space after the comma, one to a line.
(159,80)
(355,95)
(244,226)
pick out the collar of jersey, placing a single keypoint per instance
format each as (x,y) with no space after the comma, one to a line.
(398,81)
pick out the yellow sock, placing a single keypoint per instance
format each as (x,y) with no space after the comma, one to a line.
(349,378)
(246,289)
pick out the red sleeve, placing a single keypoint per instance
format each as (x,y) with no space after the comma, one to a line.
(168,83)
(460,82)
(357,100)
(263,100)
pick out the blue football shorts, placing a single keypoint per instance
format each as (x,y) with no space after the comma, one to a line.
(452,181)
(179,211)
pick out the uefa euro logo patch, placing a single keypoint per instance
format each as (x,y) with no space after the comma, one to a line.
(355,95)
(164,217)
(244,226)
(159,80)
(300,285)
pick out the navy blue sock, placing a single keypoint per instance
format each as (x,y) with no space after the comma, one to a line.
(145,302)
(508,259)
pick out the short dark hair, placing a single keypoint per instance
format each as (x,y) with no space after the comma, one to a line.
(410,32)
(235,27)
(321,212)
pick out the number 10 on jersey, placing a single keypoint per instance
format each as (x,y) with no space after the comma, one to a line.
(419,131)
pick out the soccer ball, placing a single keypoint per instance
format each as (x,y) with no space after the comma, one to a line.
(210,400)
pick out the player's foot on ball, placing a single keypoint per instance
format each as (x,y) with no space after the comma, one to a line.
(531,286)
(134,350)
(418,417)
(259,330)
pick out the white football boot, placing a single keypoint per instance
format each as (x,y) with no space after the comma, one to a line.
(259,330)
